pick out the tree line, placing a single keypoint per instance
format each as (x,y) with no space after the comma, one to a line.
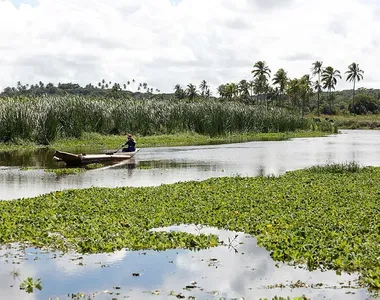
(280,89)
(263,88)
(102,88)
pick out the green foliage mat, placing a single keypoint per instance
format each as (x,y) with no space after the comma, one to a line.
(325,217)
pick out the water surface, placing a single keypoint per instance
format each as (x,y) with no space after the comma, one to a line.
(155,166)
(237,269)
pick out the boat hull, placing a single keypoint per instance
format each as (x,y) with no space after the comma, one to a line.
(83,159)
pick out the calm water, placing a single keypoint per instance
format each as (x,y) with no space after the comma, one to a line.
(155,166)
(241,270)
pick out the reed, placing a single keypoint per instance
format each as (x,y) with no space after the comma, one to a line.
(46,118)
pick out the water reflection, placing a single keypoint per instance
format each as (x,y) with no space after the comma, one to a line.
(220,272)
(155,166)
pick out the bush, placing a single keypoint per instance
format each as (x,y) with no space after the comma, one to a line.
(364,104)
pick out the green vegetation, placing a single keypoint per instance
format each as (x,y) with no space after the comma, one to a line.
(98,141)
(323,217)
(94,166)
(287,298)
(30,284)
(65,171)
(43,120)
(358,122)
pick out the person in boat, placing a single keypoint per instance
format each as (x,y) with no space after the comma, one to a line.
(131,143)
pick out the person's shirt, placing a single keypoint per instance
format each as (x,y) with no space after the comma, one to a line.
(131,142)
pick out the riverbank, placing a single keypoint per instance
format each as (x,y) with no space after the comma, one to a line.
(354,121)
(323,217)
(99,142)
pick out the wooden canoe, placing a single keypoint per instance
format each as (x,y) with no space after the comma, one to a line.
(83,159)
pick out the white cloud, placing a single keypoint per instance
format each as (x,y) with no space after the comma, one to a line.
(164,42)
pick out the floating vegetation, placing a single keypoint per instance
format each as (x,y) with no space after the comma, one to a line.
(65,171)
(30,284)
(287,298)
(94,166)
(315,217)
(27,168)
(144,167)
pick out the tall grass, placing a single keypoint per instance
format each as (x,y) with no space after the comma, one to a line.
(46,118)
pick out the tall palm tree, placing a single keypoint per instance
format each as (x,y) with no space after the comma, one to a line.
(208,93)
(329,79)
(203,87)
(318,89)
(222,90)
(233,89)
(354,74)
(280,78)
(293,91)
(317,69)
(261,73)
(244,90)
(191,91)
(306,91)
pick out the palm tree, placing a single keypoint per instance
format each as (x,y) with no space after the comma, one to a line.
(306,91)
(222,90)
(318,89)
(329,80)
(317,70)
(354,74)
(293,91)
(191,91)
(244,90)
(208,93)
(261,73)
(280,78)
(203,86)
(179,92)
(233,89)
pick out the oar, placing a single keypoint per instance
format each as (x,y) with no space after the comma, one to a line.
(113,152)
(118,149)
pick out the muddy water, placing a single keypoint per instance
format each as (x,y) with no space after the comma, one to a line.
(155,166)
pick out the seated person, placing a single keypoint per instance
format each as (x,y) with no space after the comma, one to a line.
(131,143)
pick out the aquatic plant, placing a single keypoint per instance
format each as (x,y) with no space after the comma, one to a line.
(94,166)
(325,217)
(30,284)
(47,118)
(65,171)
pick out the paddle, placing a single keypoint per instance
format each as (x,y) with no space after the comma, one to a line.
(118,149)
(110,152)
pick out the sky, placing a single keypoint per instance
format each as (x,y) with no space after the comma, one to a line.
(169,42)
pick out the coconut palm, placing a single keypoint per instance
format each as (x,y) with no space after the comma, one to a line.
(280,78)
(317,69)
(261,73)
(244,90)
(191,91)
(222,90)
(329,79)
(354,74)
(179,93)
(318,88)
(293,91)
(306,91)
(203,87)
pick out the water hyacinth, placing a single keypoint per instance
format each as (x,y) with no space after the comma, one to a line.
(44,119)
